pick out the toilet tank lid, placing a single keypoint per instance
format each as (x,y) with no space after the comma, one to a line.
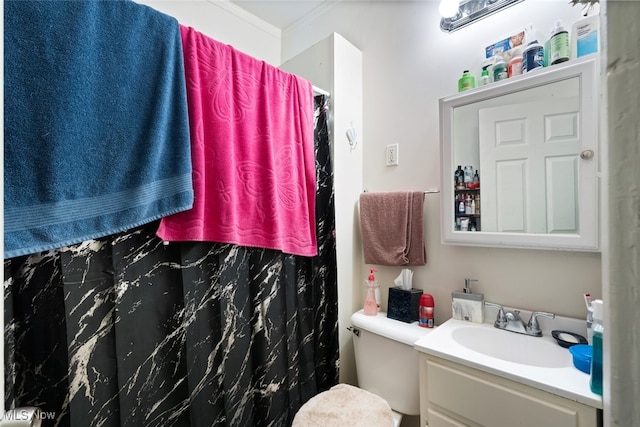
(407,333)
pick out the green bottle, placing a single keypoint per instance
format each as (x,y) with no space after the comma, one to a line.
(559,50)
(466,82)
(484,78)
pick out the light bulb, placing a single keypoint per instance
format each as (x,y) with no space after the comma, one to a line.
(449,8)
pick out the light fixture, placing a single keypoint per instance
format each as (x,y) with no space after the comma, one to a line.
(449,8)
(469,11)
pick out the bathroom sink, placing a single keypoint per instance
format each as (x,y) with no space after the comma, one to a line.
(534,361)
(512,347)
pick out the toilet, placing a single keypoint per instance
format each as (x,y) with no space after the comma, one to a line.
(387,367)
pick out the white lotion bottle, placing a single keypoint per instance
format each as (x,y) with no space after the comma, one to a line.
(585,36)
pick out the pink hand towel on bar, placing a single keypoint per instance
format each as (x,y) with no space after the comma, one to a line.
(252,152)
(392,228)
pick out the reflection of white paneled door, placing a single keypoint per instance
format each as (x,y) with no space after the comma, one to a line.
(529,156)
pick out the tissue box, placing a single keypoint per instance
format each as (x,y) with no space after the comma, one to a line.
(403,304)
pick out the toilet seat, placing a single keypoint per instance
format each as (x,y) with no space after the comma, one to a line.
(345,405)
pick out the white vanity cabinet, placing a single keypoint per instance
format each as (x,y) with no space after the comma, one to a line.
(452,394)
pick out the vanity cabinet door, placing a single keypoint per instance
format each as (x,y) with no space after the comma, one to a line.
(438,419)
(460,396)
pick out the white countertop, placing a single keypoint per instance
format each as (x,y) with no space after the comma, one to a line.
(565,381)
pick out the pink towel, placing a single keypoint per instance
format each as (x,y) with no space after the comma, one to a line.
(392,228)
(252,152)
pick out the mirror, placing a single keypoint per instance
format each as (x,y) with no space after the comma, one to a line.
(519,164)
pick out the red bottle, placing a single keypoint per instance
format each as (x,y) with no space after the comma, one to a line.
(426,311)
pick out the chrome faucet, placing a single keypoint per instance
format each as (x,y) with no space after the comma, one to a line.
(511,320)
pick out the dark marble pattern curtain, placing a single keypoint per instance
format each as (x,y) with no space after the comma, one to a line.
(127,331)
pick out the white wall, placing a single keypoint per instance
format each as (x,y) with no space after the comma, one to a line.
(409,63)
(226,23)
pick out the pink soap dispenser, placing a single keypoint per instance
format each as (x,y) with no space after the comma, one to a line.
(370,304)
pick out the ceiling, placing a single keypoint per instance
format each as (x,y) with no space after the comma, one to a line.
(279,13)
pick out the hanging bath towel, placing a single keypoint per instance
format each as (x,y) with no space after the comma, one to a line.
(96,125)
(392,228)
(252,152)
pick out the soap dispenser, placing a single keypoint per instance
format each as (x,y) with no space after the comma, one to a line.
(370,304)
(467,285)
(466,305)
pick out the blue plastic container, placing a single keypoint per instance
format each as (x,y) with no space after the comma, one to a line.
(582,354)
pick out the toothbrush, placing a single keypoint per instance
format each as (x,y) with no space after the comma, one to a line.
(587,300)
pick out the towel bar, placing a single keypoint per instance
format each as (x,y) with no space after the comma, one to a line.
(425,191)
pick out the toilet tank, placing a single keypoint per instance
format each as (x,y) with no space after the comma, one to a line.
(386,362)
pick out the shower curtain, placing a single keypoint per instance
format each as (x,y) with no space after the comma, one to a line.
(128,331)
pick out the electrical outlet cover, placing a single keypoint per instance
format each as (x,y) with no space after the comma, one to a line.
(391,155)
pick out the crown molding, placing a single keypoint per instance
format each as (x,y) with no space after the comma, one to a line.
(247,17)
(313,14)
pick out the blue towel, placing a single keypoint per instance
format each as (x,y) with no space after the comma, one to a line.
(96,123)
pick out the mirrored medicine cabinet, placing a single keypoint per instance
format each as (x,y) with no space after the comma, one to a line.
(533,142)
